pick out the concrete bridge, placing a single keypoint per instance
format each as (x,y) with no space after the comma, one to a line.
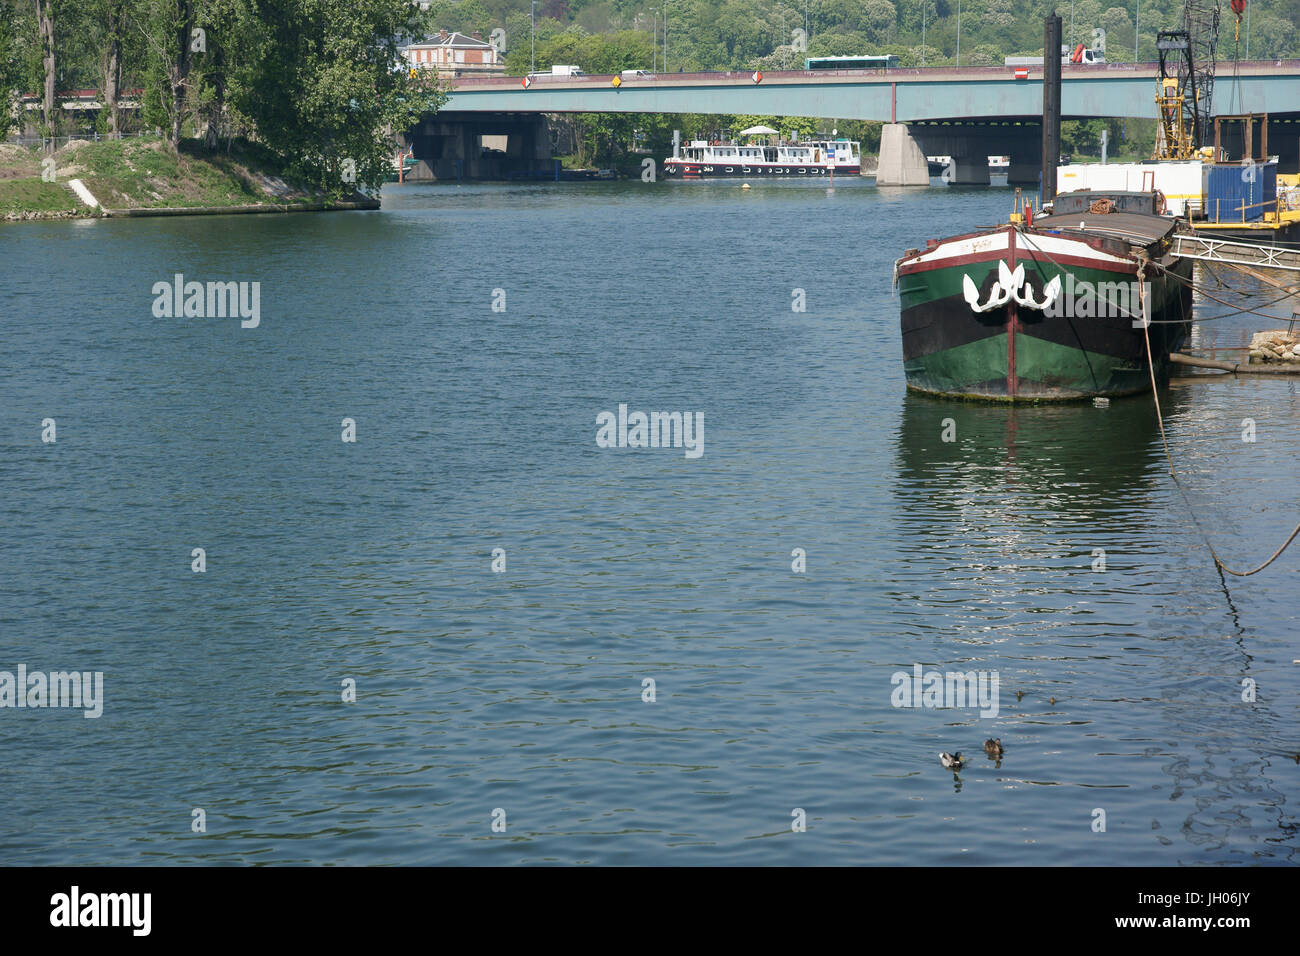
(968,113)
(891,96)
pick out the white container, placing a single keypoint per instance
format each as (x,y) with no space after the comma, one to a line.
(1181,182)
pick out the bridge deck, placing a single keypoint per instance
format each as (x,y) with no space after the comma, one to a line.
(897,95)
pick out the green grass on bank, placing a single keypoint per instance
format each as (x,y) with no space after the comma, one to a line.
(141,173)
(33,195)
(134,173)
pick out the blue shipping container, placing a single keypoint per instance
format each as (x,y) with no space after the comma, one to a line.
(1240,192)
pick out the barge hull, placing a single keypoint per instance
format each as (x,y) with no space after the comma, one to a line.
(1013,353)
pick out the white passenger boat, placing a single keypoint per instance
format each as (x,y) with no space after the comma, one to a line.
(702,158)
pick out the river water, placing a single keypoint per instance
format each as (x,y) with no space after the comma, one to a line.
(518,695)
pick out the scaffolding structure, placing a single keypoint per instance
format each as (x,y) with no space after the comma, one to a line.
(1185,98)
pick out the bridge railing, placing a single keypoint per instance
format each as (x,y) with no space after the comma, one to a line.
(896,74)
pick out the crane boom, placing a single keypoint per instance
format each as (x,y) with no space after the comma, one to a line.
(1185,96)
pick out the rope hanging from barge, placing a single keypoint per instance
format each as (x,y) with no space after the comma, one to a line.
(1200,290)
(1173,473)
(1143,262)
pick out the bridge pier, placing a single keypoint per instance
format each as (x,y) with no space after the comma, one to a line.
(1026,167)
(1021,173)
(969,171)
(901,161)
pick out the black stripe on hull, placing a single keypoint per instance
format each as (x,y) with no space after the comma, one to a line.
(948,323)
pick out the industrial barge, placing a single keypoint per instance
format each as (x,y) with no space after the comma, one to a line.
(1059,307)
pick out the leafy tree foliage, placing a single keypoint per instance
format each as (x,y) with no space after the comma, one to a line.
(319,82)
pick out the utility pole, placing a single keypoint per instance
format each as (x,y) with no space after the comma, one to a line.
(1137,30)
(924,4)
(654,44)
(533,53)
(959,32)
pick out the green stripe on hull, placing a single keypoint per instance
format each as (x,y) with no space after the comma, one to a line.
(1045,370)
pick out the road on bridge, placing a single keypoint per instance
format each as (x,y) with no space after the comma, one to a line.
(897,95)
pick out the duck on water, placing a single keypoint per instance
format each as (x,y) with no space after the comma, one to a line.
(1058,307)
(953,762)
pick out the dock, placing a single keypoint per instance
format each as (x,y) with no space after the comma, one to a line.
(1230,252)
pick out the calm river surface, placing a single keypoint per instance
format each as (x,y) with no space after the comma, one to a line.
(522,691)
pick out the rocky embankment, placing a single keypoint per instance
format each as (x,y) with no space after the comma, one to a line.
(1276,346)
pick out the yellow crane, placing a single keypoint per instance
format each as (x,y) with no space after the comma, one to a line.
(1185,94)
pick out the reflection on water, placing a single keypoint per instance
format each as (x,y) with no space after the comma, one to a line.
(1076,458)
(1022,509)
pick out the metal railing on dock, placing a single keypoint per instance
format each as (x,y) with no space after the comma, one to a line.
(1251,254)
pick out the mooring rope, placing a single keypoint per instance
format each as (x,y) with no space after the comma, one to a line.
(1208,266)
(1240,309)
(1173,472)
(1155,397)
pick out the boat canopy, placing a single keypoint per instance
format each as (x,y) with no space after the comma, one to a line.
(758,131)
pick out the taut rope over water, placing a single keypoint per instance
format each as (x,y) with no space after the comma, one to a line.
(1173,473)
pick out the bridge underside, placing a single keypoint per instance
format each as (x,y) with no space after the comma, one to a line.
(500,145)
(903,146)
(969,144)
(479,146)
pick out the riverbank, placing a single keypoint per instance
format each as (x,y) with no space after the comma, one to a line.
(142,177)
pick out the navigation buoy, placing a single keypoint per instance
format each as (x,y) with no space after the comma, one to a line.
(744,186)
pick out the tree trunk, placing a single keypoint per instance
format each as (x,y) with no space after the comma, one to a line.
(217,107)
(45,27)
(113,63)
(181,70)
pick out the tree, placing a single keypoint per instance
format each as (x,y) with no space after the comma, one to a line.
(45,30)
(879,16)
(327,89)
(113,18)
(168,29)
(10,66)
